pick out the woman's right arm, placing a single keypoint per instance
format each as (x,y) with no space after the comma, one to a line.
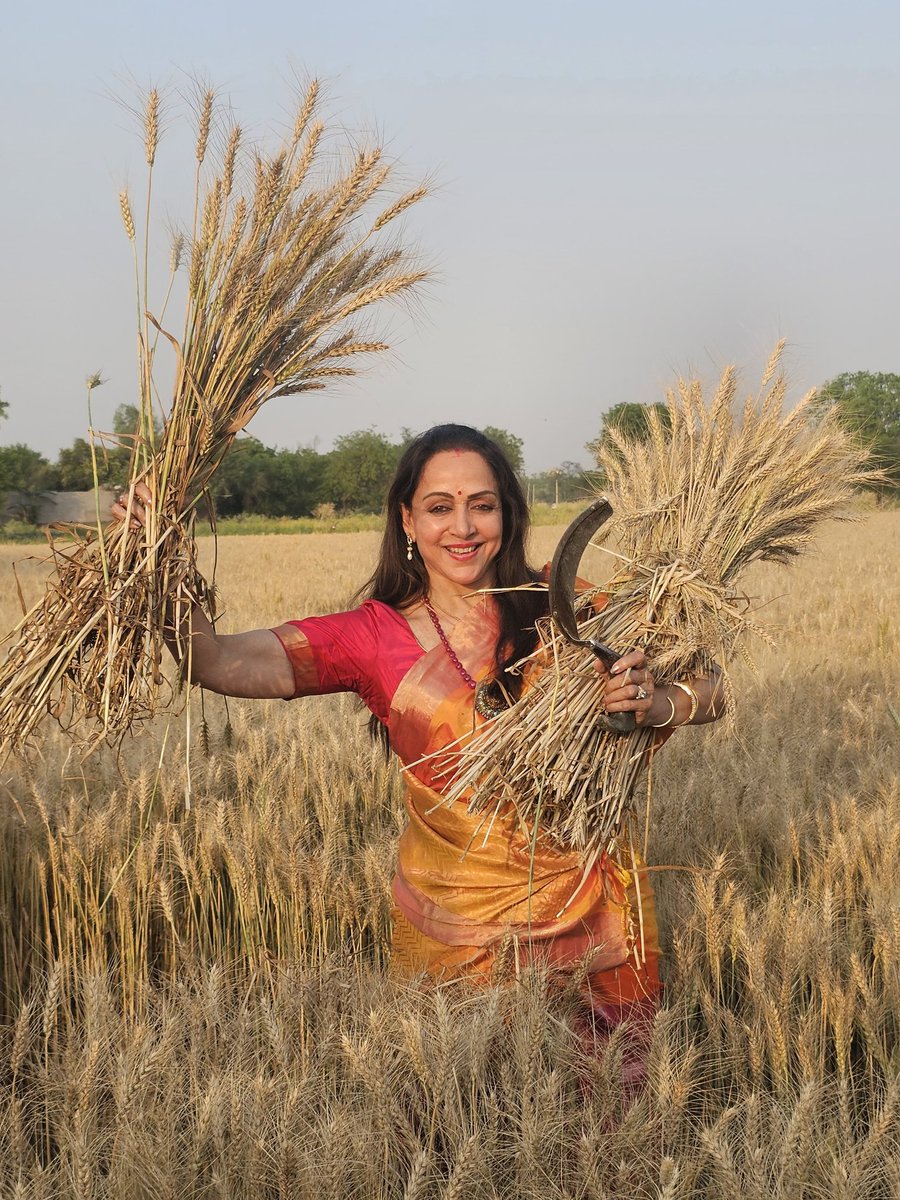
(252,665)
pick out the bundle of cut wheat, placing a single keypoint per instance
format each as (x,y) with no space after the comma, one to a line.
(695,504)
(284,253)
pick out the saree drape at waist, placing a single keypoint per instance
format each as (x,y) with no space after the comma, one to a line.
(462,889)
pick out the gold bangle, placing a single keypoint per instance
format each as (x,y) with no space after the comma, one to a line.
(670,718)
(692,696)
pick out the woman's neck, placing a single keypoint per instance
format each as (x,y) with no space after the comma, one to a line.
(453,603)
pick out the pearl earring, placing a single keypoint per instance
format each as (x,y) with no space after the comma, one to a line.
(409,545)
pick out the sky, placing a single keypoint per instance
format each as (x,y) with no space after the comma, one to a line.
(623,194)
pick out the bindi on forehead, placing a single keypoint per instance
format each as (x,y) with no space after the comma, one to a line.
(459,491)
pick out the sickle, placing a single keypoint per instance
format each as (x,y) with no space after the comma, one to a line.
(563,573)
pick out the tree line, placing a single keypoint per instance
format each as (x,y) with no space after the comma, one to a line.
(259,479)
(354,475)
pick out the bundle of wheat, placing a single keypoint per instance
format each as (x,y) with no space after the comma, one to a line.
(279,272)
(697,502)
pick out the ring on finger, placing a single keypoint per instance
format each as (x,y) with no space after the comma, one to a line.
(641,694)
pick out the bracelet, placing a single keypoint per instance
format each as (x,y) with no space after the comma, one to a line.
(670,718)
(692,696)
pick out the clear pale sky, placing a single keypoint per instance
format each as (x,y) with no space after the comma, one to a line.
(626,193)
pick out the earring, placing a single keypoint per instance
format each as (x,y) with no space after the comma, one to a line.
(409,545)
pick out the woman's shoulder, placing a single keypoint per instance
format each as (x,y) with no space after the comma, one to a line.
(366,650)
(377,610)
(371,623)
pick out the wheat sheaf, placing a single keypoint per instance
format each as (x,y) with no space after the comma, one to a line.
(286,254)
(711,490)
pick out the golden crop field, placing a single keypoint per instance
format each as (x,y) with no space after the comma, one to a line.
(196,1001)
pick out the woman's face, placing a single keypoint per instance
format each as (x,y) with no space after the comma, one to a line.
(456,520)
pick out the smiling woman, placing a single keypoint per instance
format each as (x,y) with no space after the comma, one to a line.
(451,605)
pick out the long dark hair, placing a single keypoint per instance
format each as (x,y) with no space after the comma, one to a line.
(399,582)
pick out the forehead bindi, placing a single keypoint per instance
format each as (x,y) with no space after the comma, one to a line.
(456,473)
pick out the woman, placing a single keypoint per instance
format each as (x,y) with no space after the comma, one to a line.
(429,632)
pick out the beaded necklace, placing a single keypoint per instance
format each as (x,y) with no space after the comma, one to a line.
(439,630)
(489,699)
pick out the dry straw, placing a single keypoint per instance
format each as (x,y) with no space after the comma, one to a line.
(702,498)
(280,274)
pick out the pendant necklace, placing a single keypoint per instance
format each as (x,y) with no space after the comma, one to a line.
(489,700)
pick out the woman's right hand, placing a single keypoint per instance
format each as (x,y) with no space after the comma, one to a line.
(137,509)
(251,664)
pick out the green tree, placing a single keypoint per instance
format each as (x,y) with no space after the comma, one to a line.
(628,419)
(511,446)
(868,404)
(275,483)
(242,482)
(126,426)
(359,470)
(127,421)
(23,469)
(26,473)
(304,479)
(75,468)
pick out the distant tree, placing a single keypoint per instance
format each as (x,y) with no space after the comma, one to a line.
(511,445)
(240,483)
(571,470)
(23,469)
(75,467)
(127,421)
(629,420)
(305,469)
(868,404)
(359,469)
(28,474)
(275,483)
(75,463)
(126,427)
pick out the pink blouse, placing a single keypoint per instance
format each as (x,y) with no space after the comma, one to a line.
(367,650)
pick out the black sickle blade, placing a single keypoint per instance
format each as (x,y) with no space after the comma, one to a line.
(563,574)
(564,568)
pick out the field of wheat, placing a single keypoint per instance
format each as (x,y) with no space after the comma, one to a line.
(196,997)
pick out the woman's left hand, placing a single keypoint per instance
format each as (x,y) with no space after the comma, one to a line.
(630,685)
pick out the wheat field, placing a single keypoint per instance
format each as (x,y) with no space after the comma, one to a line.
(196,1000)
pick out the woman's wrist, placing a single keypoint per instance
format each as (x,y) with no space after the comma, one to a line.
(693,699)
(686,702)
(665,711)
(674,704)
(668,703)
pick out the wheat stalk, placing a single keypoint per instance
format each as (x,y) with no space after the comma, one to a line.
(704,497)
(279,277)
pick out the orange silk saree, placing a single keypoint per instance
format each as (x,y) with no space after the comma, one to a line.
(467,887)
(470,891)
